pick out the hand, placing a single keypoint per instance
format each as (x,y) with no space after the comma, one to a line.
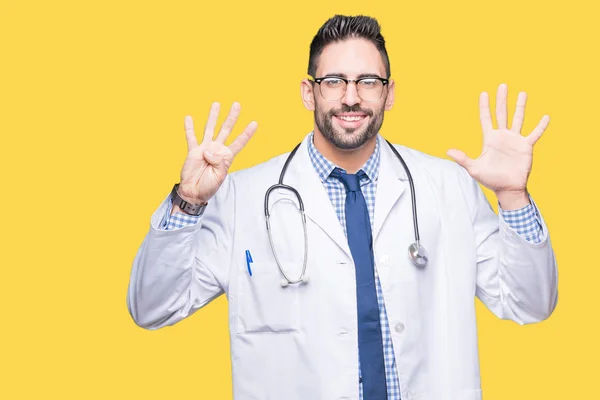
(207,163)
(505,162)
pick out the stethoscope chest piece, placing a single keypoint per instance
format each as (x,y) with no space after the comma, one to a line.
(418,254)
(285,282)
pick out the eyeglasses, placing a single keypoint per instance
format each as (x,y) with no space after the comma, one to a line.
(333,88)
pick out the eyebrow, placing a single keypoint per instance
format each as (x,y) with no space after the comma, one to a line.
(342,75)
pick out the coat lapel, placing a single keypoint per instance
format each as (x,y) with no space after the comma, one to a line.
(317,205)
(391,184)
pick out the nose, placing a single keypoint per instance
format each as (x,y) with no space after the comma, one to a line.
(351,96)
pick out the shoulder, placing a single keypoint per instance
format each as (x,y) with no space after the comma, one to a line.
(243,184)
(446,177)
(256,178)
(430,164)
(261,170)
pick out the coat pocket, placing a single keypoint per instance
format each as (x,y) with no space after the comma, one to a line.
(264,305)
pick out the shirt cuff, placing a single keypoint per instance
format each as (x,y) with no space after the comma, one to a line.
(525,221)
(178,220)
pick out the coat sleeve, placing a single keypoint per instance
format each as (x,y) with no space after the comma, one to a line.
(517,279)
(177,272)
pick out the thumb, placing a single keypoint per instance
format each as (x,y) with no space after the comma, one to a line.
(460,158)
(212,158)
(217,161)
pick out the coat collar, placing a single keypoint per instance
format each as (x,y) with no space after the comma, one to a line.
(318,208)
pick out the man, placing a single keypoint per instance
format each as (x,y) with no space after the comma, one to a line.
(375,320)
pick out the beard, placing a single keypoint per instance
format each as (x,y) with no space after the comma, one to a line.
(348,138)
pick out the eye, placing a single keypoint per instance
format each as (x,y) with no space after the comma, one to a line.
(333,82)
(369,83)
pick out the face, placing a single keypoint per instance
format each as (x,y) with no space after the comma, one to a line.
(350,122)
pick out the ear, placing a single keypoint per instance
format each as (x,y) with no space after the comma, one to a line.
(307,93)
(389,101)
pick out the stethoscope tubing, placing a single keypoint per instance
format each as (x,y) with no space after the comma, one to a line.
(420,260)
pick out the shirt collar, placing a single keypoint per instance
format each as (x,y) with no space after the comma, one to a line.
(324,167)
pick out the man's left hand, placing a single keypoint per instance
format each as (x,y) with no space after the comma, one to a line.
(505,161)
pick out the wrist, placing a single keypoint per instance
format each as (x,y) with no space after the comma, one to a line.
(185,204)
(513,200)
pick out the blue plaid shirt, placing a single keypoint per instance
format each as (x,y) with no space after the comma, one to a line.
(524,221)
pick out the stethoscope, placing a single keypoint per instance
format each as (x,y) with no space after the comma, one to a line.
(416,252)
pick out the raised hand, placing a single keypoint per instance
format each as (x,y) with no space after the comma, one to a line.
(506,159)
(207,163)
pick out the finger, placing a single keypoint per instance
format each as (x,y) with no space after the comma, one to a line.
(239,143)
(209,128)
(501,111)
(517,122)
(229,123)
(190,135)
(484,113)
(535,135)
(460,158)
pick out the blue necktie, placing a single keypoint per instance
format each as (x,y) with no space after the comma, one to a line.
(360,240)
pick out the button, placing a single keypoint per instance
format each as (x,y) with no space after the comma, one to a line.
(343,332)
(399,327)
(384,260)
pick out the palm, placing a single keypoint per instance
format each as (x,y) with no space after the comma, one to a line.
(200,173)
(505,161)
(506,158)
(207,163)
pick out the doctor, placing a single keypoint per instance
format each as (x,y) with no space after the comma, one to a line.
(369,319)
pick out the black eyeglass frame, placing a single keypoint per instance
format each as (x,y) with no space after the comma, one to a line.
(318,81)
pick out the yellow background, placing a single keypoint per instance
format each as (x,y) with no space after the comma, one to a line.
(92,101)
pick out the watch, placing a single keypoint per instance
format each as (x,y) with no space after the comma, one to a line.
(187,207)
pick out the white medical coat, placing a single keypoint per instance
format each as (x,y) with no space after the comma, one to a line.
(300,342)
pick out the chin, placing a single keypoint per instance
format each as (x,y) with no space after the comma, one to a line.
(348,140)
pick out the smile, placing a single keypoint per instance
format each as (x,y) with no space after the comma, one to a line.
(350,120)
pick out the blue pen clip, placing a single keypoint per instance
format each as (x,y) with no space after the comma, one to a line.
(248,261)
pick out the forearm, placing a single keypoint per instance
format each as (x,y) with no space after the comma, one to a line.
(516,271)
(182,264)
(520,282)
(162,273)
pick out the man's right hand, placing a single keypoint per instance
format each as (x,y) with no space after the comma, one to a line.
(207,163)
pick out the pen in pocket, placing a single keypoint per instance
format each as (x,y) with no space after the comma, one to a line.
(248,261)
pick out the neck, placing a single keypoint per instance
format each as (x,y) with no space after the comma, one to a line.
(350,160)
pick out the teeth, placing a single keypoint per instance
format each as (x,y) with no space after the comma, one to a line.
(350,118)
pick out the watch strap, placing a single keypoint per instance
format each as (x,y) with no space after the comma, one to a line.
(185,206)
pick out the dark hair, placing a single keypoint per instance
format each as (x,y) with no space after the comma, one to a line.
(342,27)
